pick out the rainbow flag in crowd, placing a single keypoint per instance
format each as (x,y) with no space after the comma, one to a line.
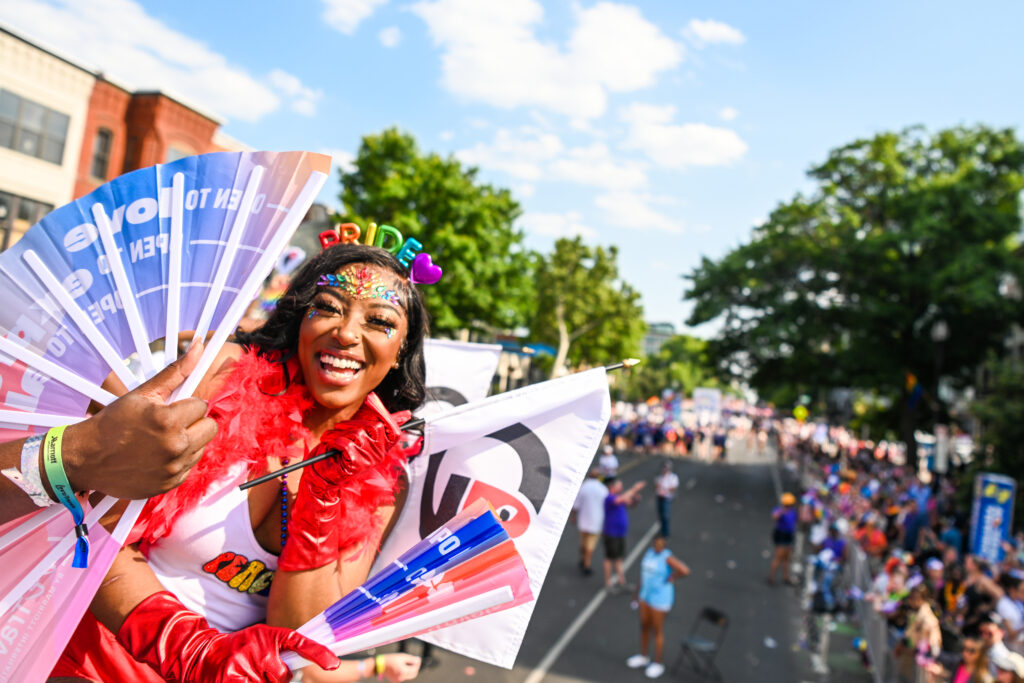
(914,390)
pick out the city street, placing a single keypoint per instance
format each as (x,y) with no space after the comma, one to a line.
(721,529)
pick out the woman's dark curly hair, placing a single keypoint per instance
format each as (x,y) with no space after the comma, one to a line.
(403,387)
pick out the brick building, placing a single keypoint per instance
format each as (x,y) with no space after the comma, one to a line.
(65,130)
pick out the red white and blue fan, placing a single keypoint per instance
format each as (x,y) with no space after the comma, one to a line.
(178,247)
(467,568)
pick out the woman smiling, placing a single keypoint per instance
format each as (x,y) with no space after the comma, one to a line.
(342,352)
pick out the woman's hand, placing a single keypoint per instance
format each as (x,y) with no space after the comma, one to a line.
(363,441)
(401,667)
(182,646)
(398,666)
(139,446)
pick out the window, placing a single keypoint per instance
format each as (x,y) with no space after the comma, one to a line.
(31,128)
(101,153)
(131,151)
(18,214)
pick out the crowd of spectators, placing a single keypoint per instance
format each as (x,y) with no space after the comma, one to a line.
(672,427)
(950,616)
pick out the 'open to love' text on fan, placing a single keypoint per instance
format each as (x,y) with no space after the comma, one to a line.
(179,247)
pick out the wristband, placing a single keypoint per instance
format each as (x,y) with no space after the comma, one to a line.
(28,479)
(362,668)
(58,478)
(378,666)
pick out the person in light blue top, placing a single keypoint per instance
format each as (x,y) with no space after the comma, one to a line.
(659,568)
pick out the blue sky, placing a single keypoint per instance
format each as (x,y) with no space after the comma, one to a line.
(667,128)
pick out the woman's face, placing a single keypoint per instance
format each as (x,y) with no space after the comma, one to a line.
(352,335)
(972,650)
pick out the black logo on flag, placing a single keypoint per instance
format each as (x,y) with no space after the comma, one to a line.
(459,491)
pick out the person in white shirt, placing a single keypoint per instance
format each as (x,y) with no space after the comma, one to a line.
(589,510)
(1011,608)
(608,463)
(665,485)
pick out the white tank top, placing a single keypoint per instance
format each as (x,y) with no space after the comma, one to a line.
(212,561)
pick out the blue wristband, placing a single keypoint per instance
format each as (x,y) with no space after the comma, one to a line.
(53,462)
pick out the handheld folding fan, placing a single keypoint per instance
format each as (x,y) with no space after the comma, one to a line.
(467,568)
(178,247)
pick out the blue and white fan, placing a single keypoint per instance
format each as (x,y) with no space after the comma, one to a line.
(175,248)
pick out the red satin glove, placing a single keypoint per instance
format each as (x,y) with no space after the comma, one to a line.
(313,525)
(181,646)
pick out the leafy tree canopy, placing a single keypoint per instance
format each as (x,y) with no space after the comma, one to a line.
(583,309)
(907,236)
(465,225)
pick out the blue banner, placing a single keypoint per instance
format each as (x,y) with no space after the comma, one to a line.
(992,515)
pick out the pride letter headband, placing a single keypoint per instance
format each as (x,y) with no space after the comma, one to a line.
(422,269)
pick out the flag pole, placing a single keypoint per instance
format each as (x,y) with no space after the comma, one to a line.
(407,427)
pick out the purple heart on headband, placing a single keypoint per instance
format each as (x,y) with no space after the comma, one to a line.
(423,271)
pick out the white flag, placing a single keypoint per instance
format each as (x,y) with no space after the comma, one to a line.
(526,452)
(457,373)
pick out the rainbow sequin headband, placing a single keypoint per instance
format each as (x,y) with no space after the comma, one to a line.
(422,269)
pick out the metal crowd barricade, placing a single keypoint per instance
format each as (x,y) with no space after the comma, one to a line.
(875,627)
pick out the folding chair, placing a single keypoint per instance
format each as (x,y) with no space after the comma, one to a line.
(699,648)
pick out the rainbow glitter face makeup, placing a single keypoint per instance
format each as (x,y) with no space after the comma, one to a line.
(362,283)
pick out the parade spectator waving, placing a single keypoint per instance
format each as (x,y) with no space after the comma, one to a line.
(616,524)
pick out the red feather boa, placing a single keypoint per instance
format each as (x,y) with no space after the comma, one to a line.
(256,418)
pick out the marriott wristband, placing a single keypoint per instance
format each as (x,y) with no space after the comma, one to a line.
(53,463)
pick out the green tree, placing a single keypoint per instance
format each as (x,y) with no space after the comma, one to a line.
(682,364)
(892,266)
(465,225)
(583,309)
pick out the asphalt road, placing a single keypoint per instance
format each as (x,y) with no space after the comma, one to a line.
(721,529)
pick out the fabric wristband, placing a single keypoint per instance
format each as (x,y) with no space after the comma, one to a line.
(28,479)
(58,478)
(378,666)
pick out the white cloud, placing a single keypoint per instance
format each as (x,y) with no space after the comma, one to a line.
(346,15)
(585,126)
(304,99)
(728,114)
(447,135)
(523,190)
(710,32)
(634,211)
(567,224)
(594,165)
(531,154)
(491,54)
(390,36)
(614,45)
(678,145)
(119,38)
(521,154)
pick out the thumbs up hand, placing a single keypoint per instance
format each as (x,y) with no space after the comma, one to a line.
(140,446)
